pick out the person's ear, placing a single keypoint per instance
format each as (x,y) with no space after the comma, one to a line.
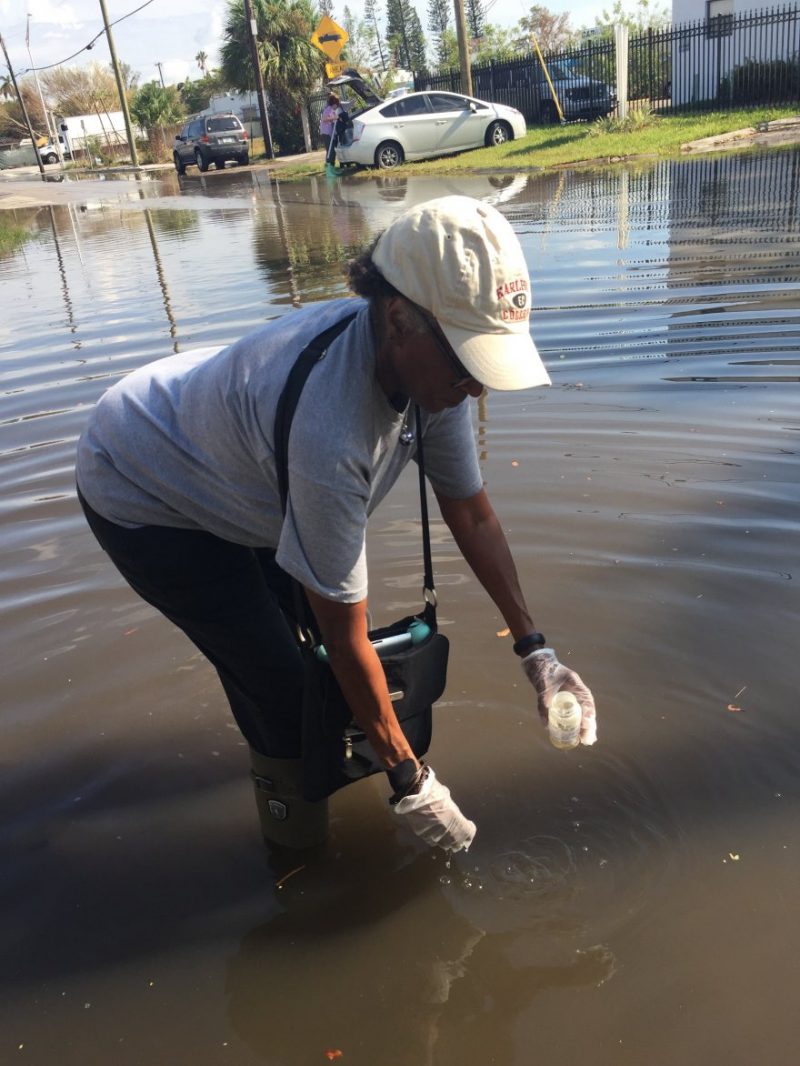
(398,324)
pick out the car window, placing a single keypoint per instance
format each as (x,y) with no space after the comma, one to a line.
(448,102)
(185,131)
(406,105)
(226,122)
(195,129)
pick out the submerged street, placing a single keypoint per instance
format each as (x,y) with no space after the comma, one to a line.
(625,904)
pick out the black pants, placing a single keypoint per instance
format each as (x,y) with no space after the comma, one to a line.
(233,603)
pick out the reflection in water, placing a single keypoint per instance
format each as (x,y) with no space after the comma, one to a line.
(650,497)
(406,978)
(162,280)
(62,272)
(303,251)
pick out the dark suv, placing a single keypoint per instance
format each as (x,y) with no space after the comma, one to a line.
(211,139)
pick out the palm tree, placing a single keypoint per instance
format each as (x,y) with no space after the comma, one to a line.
(290,63)
(202,61)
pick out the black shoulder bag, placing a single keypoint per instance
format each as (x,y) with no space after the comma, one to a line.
(336,751)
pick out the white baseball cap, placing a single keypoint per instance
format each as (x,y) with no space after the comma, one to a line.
(459,259)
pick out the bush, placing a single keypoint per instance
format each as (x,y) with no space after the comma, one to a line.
(762,82)
(638,118)
(285,124)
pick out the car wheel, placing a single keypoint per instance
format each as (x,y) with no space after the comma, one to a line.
(388,155)
(243,160)
(180,166)
(202,162)
(50,158)
(548,113)
(499,133)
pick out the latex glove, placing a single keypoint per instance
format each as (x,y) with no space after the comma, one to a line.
(548,676)
(433,815)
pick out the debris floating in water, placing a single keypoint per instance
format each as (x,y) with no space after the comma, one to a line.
(333,1053)
(503,632)
(285,878)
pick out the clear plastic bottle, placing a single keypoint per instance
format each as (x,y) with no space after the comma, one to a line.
(564,721)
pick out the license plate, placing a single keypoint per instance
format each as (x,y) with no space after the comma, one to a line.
(227,140)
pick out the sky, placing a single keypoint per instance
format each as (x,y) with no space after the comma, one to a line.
(172,32)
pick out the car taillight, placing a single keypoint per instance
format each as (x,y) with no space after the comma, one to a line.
(358,129)
(245,134)
(204,138)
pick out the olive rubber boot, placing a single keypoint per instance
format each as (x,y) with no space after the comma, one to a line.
(286,818)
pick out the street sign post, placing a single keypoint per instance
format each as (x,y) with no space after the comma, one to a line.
(329,37)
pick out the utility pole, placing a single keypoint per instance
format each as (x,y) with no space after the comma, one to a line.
(262,96)
(463,48)
(24,108)
(123,100)
(160,74)
(466,71)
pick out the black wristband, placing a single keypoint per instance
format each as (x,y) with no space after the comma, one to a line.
(403,776)
(525,645)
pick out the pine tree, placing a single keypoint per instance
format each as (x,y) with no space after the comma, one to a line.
(476,18)
(397,32)
(438,22)
(405,35)
(376,46)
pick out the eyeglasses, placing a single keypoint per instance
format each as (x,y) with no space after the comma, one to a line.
(463,377)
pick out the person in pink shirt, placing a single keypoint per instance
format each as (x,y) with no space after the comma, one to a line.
(327,120)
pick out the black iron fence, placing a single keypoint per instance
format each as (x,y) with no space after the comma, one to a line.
(581,78)
(717,63)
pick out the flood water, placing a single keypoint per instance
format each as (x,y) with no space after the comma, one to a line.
(634,903)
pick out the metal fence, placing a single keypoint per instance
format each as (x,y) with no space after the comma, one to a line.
(717,63)
(583,79)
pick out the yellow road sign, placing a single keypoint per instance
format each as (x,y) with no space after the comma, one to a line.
(329,37)
(333,69)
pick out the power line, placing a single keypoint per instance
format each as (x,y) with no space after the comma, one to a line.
(86,47)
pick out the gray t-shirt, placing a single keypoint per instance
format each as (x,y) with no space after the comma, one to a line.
(187,442)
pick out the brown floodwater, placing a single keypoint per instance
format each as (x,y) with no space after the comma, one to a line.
(630,904)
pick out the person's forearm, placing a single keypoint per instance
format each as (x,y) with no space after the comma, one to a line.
(486,550)
(483,544)
(358,670)
(363,684)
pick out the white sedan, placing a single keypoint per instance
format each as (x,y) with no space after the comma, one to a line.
(421,125)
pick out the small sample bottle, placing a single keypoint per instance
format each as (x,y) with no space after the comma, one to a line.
(564,721)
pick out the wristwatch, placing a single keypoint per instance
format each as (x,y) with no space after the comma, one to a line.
(533,641)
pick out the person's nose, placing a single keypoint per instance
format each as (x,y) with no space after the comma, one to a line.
(473,388)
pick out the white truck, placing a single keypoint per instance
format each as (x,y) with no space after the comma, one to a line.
(107,127)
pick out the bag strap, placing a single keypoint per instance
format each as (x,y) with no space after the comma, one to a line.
(428,590)
(287,401)
(284,413)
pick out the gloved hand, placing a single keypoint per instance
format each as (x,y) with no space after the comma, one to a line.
(548,676)
(432,814)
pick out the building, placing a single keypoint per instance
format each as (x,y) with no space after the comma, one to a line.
(728,42)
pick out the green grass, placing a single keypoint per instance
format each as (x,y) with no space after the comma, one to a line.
(552,146)
(12,236)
